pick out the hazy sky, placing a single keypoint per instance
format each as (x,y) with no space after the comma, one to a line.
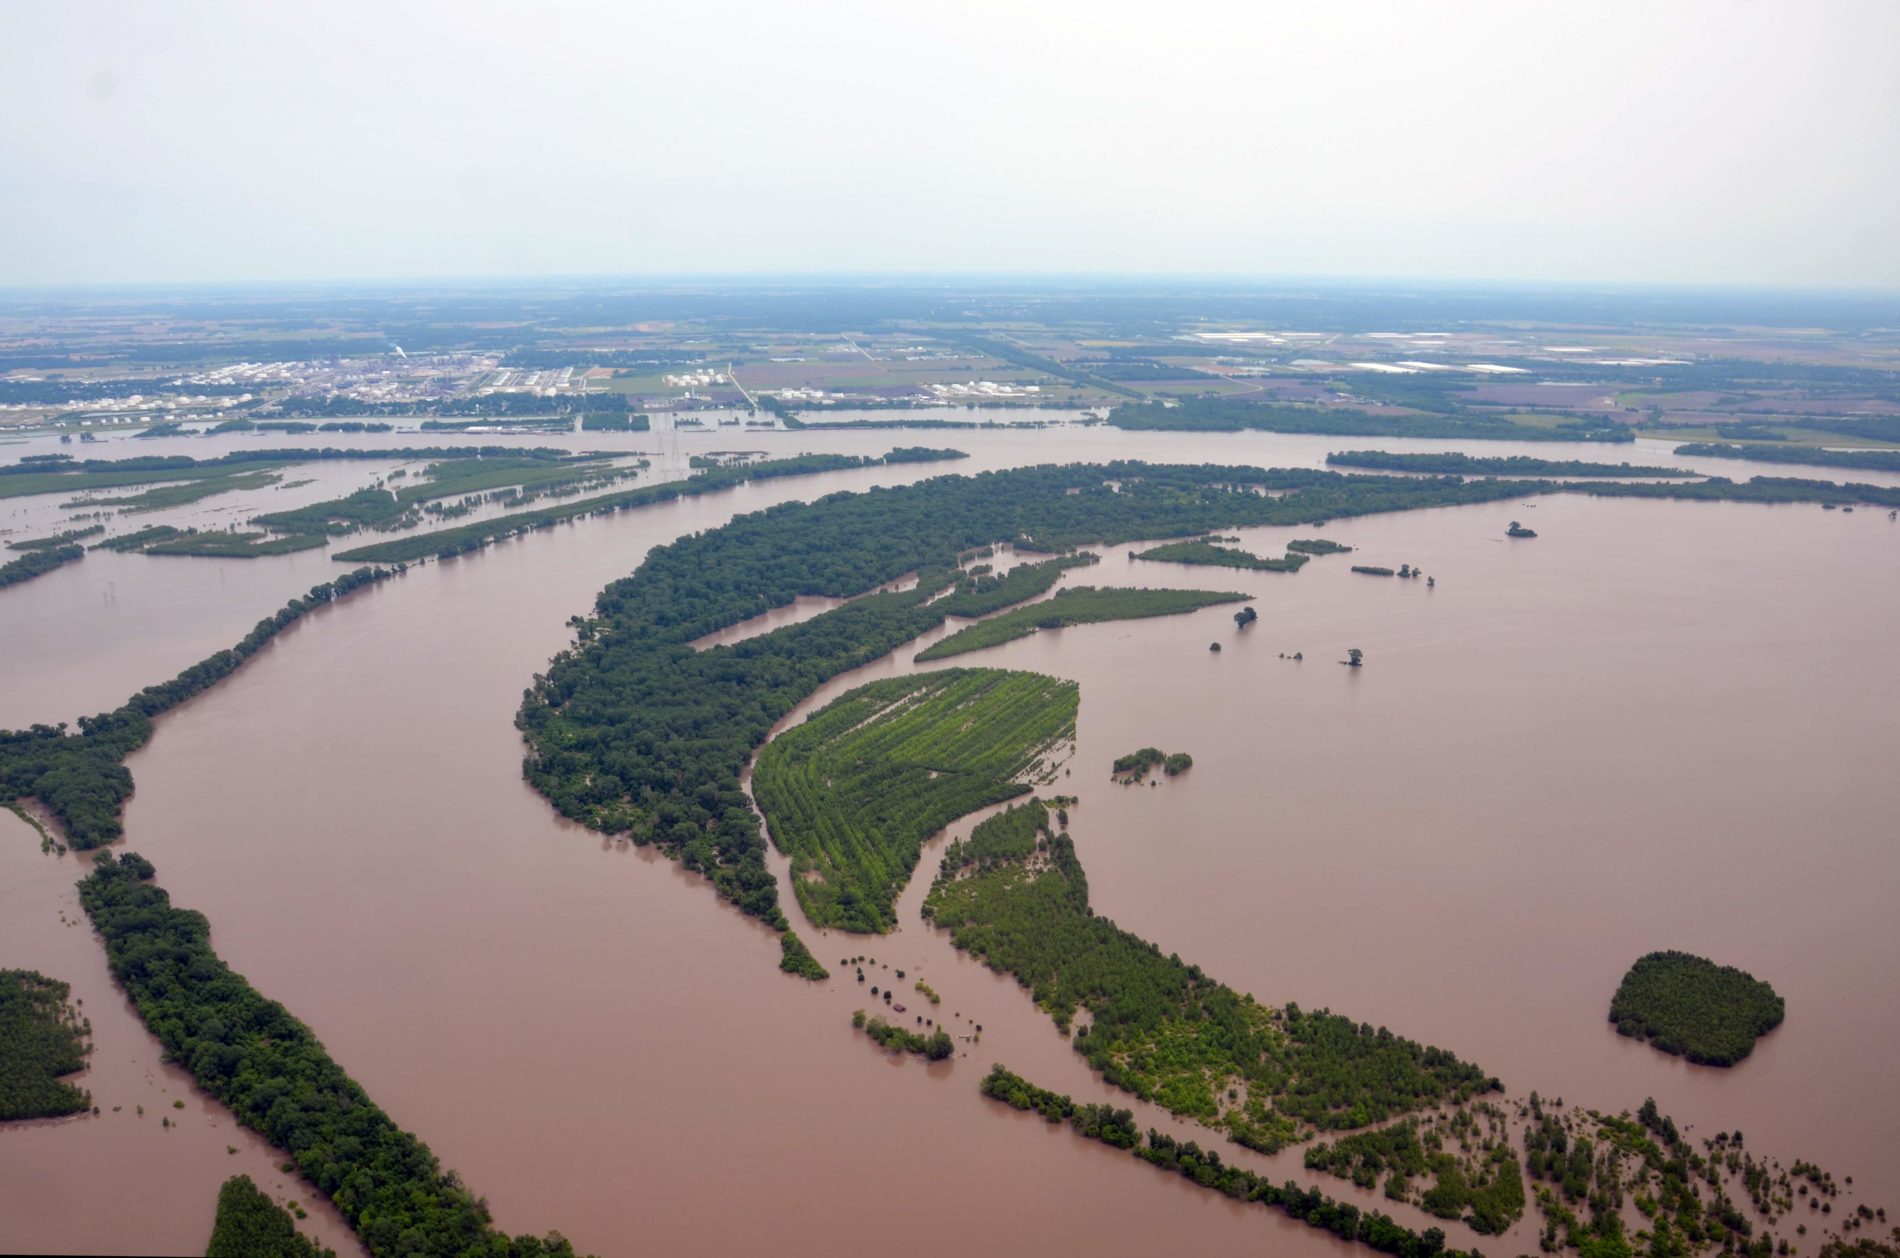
(187,141)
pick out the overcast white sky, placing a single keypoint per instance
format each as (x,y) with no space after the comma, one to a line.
(191,141)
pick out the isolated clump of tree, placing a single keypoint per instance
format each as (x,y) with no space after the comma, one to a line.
(1206,553)
(1691,1007)
(936,1046)
(796,958)
(1136,764)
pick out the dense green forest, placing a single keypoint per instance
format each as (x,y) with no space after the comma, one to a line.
(1453,464)
(66,538)
(1691,1007)
(79,777)
(251,1225)
(456,541)
(1159,1027)
(1082,605)
(635,732)
(1316,546)
(1205,552)
(1819,456)
(272,1073)
(1220,414)
(1204,1167)
(35,563)
(937,1045)
(853,792)
(41,1038)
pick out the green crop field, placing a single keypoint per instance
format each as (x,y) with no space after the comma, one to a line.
(852,794)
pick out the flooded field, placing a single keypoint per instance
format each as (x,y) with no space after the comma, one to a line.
(1570,752)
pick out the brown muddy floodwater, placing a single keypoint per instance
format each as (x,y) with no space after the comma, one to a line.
(62,1176)
(1656,725)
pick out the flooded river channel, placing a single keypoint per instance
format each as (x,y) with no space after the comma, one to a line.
(1658,725)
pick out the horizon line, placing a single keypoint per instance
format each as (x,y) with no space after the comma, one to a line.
(926,278)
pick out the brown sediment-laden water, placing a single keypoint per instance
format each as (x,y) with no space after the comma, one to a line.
(123,1181)
(1660,725)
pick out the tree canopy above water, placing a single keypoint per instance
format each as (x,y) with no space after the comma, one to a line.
(1691,1007)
